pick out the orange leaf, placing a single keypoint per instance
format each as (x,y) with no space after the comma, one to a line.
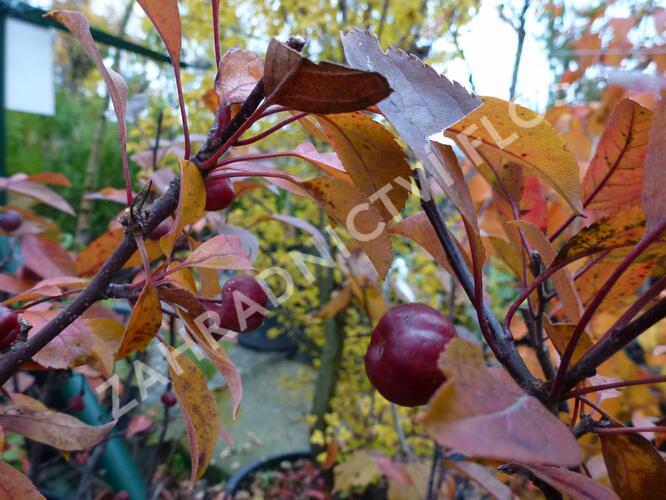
(166,19)
(199,411)
(517,134)
(635,468)
(16,486)
(372,158)
(560,334)
(191,202)
(515,426)
(345,204)
(144,323)
(337,303)
(614,178)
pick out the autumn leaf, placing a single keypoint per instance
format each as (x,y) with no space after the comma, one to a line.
(69,349)
(572,484)
(339,300)
(613,181)
(560,334)
(296,82)
(218,357)
(358,470)
(516,134)
(624,228)
(635,468)
(349,207)
(144,323)
(423,103)
(515,426)
(16,486)
(372,157)
(59,430)
(166,19)
(107,334)
(239,72)
(199,410)
(191,202)
(27,186)
(52,287)
(654,199)
(220,252)
(47,256)
(78,25)
(418,228)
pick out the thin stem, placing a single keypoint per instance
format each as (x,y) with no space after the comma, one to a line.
(596,301)
(275,128)
(615,385)
(183,111)
(629,430)
(643,300)
(216,31)
(599,410)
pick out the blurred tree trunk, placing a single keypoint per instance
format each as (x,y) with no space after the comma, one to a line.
(92,166)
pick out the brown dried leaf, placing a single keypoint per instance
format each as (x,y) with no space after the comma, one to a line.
(296,82)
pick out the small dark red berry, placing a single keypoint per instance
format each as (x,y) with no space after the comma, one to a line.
(11,220)
(121,495)
(9,327)
(75,404)
(241,294)
(161,229)
(169,399)
(401,361)
(219,194)
(25,273)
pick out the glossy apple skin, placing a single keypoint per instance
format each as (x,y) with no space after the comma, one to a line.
(226,308)
(11,220)
(401,361)
(219,194)
(9,327)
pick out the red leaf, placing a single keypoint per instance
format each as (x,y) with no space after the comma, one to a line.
(239,72)
(47,256)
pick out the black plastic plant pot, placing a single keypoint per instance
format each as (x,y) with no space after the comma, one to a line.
(243,475)
(259,340)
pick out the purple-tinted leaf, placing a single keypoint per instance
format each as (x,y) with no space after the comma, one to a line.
(78,25)
(22,184)
(239,72)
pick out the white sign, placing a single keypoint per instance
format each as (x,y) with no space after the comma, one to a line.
(29,80)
